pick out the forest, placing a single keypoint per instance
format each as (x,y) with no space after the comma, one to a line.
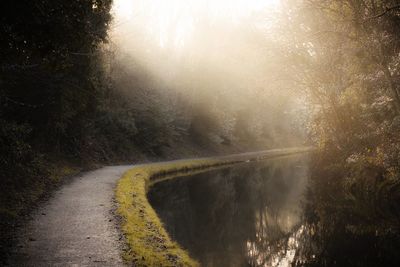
(85,84)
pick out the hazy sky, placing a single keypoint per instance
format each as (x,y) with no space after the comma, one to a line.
(172,21)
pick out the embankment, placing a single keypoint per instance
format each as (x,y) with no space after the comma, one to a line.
(149,243)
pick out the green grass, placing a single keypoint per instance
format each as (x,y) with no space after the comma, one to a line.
(149,243)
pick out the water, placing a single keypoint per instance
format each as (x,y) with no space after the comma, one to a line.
(236,216)
(270,214)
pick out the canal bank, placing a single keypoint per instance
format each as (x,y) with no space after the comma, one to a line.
(149,243)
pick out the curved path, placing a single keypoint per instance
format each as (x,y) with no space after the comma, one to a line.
(76,227)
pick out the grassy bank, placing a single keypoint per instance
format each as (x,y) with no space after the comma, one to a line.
(149,243)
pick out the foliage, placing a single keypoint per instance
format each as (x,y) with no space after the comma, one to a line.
(49,91)
(349,69)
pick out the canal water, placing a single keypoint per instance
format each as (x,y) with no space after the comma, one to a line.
(264,214)
(236,216)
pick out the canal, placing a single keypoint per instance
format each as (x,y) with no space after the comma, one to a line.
(239,216)
(271,213)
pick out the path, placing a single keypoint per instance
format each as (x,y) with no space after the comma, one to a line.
(76,226)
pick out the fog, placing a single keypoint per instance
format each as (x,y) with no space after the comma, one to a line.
(221,60)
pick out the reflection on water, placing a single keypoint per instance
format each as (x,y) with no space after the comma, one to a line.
(243,216)
(271,214)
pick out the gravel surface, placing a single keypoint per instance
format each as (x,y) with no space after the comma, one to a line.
(76,226)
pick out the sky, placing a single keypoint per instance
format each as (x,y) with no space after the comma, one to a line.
(173,21)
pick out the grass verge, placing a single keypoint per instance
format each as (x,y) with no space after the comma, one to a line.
(149,243)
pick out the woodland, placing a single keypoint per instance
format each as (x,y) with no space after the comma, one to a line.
(326,74)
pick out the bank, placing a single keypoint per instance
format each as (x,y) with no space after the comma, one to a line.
(148,242)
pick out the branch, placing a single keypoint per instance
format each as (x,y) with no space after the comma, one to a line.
(22,103)
(337,33)
(384,12)
(81,54)
(18,67)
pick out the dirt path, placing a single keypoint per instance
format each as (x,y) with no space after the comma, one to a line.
(76,227)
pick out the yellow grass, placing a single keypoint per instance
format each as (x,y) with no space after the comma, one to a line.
(149,243)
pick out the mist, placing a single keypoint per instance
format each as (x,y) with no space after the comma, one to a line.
(219,64)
